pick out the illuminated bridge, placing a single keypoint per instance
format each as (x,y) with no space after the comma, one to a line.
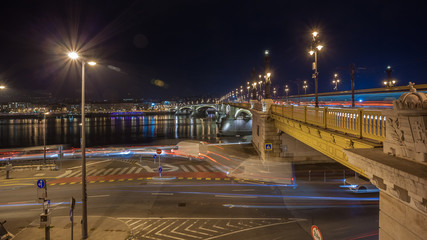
(389,146)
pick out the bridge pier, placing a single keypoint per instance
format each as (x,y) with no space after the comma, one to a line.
(399,170)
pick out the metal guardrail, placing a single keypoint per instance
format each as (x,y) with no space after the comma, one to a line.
(362,123)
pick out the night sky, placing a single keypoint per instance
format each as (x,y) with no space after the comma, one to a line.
(205,47)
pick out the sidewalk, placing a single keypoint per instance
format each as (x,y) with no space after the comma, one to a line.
(104,228)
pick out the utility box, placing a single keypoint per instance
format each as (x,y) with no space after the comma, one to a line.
(45,219)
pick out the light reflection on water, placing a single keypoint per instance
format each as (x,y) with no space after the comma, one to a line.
(154,129)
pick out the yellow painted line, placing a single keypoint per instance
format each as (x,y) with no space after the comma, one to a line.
(121,180)
(189,178)
(102,181)
(72,182)
(199,178)
(180,178)
(149,178)
(52,184)
(130,179)
(17,184)
(140,178)
(62,183)
(208,178)
(217,179)
(226,178)
(92,182)
(111,180)
(236,179)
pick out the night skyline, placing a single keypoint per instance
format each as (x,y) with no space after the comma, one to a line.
(205,48)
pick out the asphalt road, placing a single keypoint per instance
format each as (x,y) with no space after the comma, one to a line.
(195,205)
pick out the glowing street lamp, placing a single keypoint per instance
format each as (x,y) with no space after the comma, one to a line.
(336,81)
(2,87)
(389,82)
(305,86)
(315,48)
(286,91)
(75,56)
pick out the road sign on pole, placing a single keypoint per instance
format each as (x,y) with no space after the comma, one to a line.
(315,233)
(41,183)
(159,151)
(268,147)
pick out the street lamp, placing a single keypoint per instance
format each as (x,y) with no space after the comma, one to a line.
(2,87)
(305,86)
(274,92)
(75,56)
(315,47)
(286,91)
(44,137)
(389,83)
(254,91)
(336,81)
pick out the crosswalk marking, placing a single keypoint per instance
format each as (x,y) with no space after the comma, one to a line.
(184,168)
(123,170)
(131,170)
(202,168)
(137,170)
(115,171)
(193,168)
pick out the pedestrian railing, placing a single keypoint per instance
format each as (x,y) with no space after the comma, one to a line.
(359,122)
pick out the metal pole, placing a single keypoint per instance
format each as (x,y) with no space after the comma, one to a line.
(352,85)
(316,79)
(44,139)
(84,194)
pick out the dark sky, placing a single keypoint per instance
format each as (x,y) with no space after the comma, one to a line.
(206,47)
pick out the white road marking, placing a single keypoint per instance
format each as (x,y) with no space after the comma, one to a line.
(193,168)
(170,218)
(75,174)
(91,171)
(243,190)
(95,196)
(138,170)
(184,168)
(197,232)
(168,236)
(123,170)
(249,229)
(134,223)
(212,168)
(115,171)
(108,171)
(235,196)
(187,235)
(89,164)
(202,168)
(163,194)
(65,174)
(131,170)
(148,169)
(98,173)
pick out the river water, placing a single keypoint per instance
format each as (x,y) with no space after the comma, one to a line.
(105,131)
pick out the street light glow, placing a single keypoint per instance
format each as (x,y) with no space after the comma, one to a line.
(268,74)
(92,63)
(266,52)
(315,34)
(311,52)
(2,87)
(73,55)
(319,47)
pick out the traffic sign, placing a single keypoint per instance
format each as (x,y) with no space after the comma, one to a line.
(154,156)
(315,233)
(268,147)
(41,183)
(159,151)
(160,169)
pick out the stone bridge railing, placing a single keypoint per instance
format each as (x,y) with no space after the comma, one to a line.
(359,122)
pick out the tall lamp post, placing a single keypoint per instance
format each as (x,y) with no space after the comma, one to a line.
(44,137)
(268,74)
(305,86)
(389,83)
(315,48)
(336,81)
(286,91)
(75,56)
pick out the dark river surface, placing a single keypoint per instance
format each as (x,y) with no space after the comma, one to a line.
(105,131)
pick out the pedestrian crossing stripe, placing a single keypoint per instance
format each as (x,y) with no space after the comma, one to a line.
(147,178)
(136,170)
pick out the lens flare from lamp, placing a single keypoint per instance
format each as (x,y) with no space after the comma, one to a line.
(73,55)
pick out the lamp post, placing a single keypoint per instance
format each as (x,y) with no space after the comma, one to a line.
(254,91)
(305,86)
(75,56)
(44,137)
(2,87)
(268,75)
(389,83)
(315,48)
(286,91)
(336,81)
(274,92)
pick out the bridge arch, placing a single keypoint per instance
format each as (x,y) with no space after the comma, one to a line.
(243,112)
